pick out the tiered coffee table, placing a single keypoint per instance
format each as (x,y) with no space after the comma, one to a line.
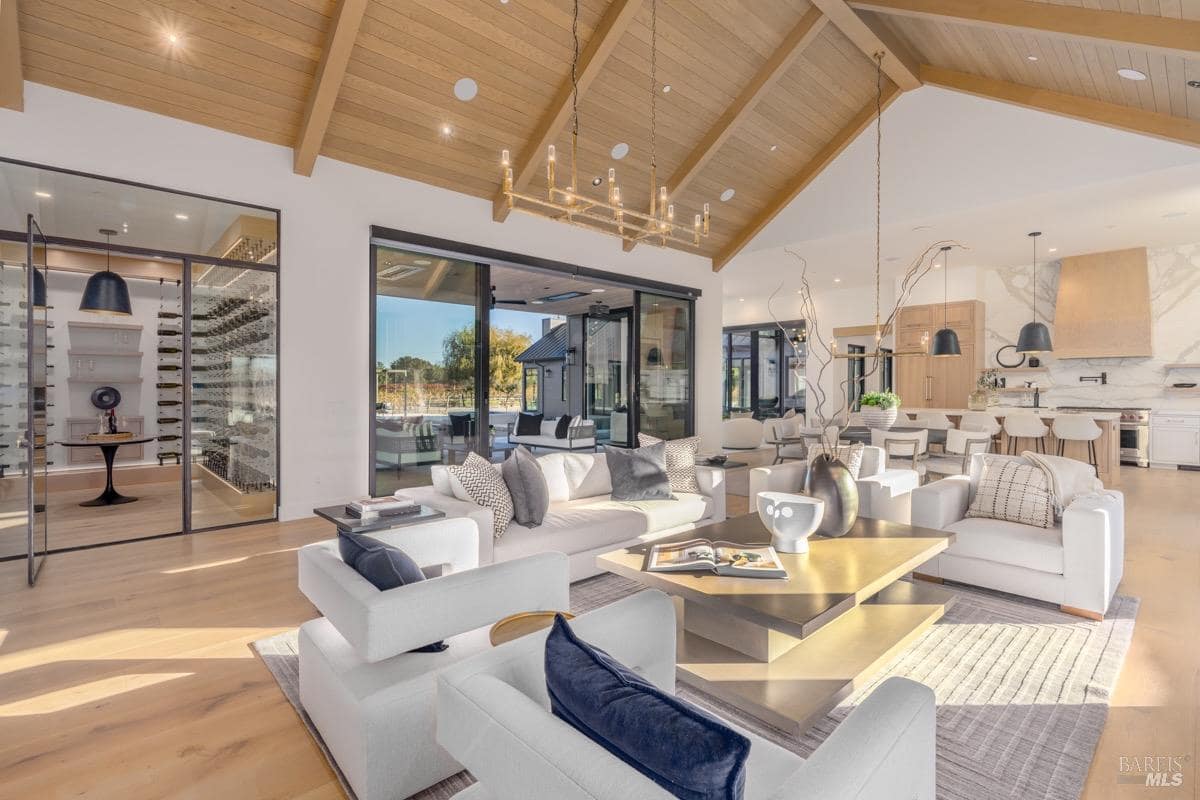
(788,651)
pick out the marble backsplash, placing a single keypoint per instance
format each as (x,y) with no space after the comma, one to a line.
(1132,382)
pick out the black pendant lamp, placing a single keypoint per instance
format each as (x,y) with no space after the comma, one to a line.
(106,292)
(1034,336)
(945,341)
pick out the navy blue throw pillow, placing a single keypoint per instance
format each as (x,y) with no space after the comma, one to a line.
(672,742)
(529,424)
(385,567)
(560,430)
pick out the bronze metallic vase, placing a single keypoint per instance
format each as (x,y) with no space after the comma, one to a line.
(828,479)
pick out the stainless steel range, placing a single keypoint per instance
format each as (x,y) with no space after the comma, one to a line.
(1135,432)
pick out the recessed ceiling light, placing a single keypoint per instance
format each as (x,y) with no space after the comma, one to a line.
(1031,57)
(837,280)
(447,131)
(43,195)
(1131,74)
(172,37)
(1052,250)
(181,216)
(596,181)
(537,302)
(503,2)
(774,147)
(1175,215)
(741,299)
(465,89)
(598,291)
(620,150)
(727,195)
(422,262)
(666,88)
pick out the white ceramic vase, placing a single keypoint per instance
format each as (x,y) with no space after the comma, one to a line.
(881,418)
(791,519)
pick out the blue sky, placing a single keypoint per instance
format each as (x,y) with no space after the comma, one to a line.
(417,327)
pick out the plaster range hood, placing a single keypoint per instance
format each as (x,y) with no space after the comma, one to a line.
(1103,307)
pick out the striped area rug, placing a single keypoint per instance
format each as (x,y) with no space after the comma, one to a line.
(1022,692)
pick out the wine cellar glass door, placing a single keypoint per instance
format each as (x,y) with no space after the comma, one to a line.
(231,425)
(37,402)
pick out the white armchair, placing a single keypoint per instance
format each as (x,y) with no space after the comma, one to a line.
(371,699)
(883,493)
(494,716)
(1077,564)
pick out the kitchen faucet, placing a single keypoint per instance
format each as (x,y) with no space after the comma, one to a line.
(1101,379)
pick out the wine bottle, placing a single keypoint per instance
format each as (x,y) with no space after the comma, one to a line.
(170,402)
(169,332)
(169,350)
(169,420)
(169,438)
(169,367)
(169,315)
(167,385)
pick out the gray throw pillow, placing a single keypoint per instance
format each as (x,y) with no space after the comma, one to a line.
(639,474)
(527,485)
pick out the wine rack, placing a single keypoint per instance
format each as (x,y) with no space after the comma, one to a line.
(234,414)
(14,386)
(168,380)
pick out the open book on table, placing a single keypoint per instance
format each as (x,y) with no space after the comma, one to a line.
(723,558)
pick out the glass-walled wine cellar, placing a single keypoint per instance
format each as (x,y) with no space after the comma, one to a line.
(139,363)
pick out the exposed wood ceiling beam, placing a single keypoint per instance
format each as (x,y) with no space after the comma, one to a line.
(1125,118)
(608,32)
(807,29)
(898,65)
(343,31)
(1176,36)
(807,175)
(12,77)
(436,277)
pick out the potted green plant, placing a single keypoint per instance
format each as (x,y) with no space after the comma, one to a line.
(880,409)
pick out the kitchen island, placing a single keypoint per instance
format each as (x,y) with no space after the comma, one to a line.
(1108,446)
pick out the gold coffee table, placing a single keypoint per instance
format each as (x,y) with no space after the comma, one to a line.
(786,651)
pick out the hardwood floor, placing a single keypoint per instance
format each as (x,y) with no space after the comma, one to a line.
(127,672)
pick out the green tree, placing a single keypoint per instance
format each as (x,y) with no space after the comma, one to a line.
(504,371)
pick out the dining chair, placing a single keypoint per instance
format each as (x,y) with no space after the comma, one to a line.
(904,449)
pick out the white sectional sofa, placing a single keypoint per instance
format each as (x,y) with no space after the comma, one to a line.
(1077,564)
(494,716)
(583,520)
(883,493)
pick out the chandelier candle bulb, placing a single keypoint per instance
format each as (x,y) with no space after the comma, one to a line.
(706,217)
(504,161)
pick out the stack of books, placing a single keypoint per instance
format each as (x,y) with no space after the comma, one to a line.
(373,507)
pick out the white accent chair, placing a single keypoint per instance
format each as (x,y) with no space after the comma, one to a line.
(1077,428)
(494,716)
(960,447)
(905,449)
(371,699)
(1025,425)
(883,493)
(1076,564)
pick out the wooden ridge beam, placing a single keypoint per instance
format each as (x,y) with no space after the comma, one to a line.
(815,166)
(343,31)
(1111,115)
(616,20)
(12,76)
(898,64)
(800,37)
(1174,36)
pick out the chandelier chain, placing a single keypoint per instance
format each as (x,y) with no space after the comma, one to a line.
(878,171)
(653,81)
(574,94)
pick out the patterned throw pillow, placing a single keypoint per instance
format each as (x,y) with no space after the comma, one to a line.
(851,455)
(1014,491)
(485,487)
(681,461)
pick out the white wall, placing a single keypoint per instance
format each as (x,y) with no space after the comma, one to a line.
(324,251)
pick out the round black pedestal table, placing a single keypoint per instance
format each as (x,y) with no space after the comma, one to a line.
(110,496)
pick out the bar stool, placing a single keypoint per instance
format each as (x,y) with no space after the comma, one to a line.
(1078,428)
(1025,426)
(981,421)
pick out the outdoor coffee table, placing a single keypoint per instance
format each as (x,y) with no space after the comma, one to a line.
(787,651)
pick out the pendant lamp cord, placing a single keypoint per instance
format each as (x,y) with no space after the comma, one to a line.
(946,289)
(878,176)
(653,89)
(108,252)
(574,98)
(1035,283)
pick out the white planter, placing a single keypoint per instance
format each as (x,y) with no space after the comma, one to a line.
(791,519)
(876,417)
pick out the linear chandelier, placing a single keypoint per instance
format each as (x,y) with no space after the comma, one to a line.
(657,225)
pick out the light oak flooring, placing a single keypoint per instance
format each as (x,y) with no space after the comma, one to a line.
(127,673)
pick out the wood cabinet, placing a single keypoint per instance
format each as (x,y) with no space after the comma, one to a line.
(935,382)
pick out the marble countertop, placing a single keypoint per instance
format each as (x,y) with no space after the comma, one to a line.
(1001,411)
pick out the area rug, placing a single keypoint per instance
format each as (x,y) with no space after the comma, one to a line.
(1022,692)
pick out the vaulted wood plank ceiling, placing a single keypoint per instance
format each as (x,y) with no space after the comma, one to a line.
(763,93)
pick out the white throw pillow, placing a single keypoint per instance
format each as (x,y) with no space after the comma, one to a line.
(681,461)
(442,482)
(477,481)
(1013,491)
